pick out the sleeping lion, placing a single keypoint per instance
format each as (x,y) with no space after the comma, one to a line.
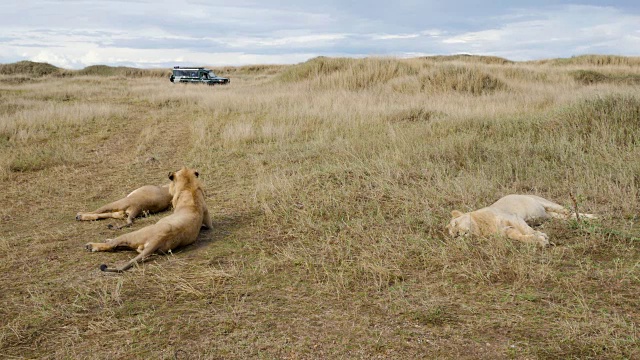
(509,217)
(181,228)
(149,198)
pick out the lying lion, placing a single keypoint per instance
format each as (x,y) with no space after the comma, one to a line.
(178,229)
(508,217)
(149,199)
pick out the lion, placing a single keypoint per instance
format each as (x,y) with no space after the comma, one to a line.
(181,228)
(146,199)
(509,216)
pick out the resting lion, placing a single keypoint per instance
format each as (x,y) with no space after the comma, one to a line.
(149,198)
(508,217)
(178,229)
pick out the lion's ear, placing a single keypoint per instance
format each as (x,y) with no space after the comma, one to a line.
(171,175)
(456,213)
(196,173)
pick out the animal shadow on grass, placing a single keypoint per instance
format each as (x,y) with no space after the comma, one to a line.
(223,226)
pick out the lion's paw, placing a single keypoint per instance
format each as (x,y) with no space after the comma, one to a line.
(543,238)
(90,247)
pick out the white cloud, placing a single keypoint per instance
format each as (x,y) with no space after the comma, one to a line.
(432,32)
(54,59)
(77,34)
(305,40)
(395,37)
(160,58)
(561,32)
(476,37)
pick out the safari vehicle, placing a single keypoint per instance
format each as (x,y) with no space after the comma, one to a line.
(196,75)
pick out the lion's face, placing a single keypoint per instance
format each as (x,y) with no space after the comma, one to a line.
(460,225)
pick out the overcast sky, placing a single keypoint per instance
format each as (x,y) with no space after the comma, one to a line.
(140,33)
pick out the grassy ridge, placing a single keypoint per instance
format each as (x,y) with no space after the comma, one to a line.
(103,70)
(330,183)
(597,60)
(404,75)
(28,68)
(37,69)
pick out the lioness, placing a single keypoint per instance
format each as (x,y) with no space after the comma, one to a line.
(178,229)
(149,198)
(509,216)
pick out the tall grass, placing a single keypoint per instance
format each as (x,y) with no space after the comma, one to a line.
(128,72)
(469,59)
(597,60)
(350,74)
(330,183)
(48,119)
(38,123)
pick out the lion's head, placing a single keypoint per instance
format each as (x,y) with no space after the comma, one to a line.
(183,179)
(460,224)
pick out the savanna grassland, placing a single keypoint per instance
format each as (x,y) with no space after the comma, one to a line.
(330,183)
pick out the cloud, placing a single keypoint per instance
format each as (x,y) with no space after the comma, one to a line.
(395,37)
(152,58)
(80,33)
(314,40)
(57,59)
(561,32)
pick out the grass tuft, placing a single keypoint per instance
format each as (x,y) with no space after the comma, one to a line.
(461,79)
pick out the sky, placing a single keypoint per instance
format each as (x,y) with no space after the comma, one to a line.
(74,34)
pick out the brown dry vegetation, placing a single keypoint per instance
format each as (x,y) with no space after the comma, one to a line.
(329,184)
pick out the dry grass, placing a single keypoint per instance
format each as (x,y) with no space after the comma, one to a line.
(330,183)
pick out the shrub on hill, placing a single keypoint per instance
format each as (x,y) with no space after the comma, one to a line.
(589,77)
(461,79)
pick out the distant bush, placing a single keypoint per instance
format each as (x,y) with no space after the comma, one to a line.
(519,73)
(589,77)
(414,114)
(462,79)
